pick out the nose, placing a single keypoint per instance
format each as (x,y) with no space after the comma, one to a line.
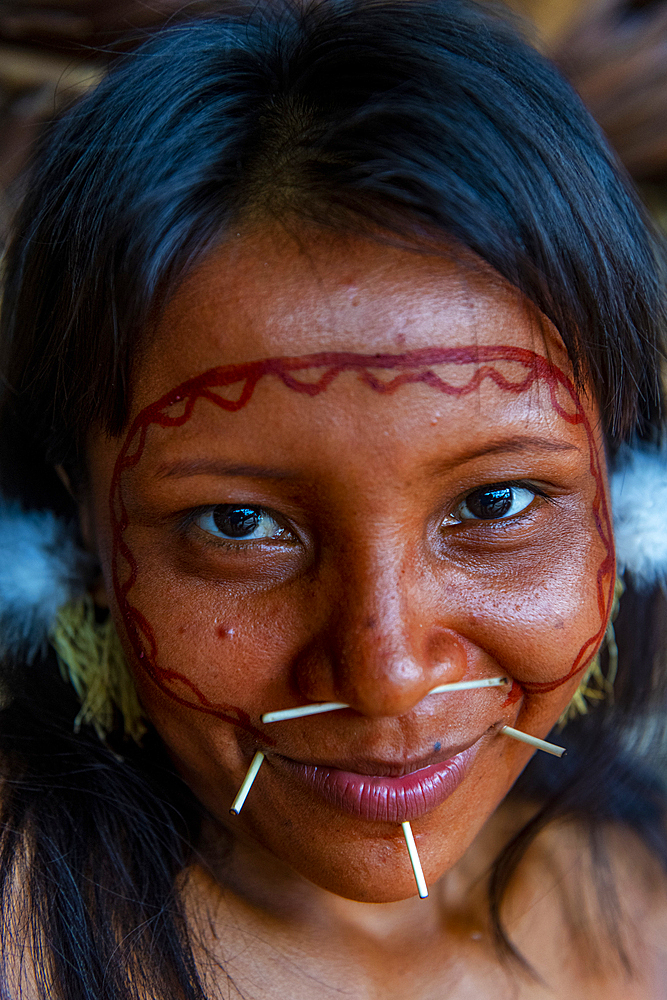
(386,642)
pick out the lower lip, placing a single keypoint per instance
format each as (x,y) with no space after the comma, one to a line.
(383,799)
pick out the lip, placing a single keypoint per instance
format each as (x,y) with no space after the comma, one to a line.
(388,798)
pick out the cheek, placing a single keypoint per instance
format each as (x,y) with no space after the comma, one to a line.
(220,648)
(539,621)
(541,613)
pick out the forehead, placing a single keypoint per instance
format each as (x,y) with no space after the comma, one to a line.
(274,294)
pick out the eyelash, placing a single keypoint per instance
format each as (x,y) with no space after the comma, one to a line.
(510,484)
(192,516)
(189,521)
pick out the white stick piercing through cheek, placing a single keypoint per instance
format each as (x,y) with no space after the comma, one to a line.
(533,741)
(242,793)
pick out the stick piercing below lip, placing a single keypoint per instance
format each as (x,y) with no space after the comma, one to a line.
(242,794)
(422,888)
(333,706)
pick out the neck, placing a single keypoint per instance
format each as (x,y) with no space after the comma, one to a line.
(238,869)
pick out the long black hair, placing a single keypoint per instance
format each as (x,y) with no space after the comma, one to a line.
(431,121)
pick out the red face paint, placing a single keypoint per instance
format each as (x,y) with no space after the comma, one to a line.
(415,367)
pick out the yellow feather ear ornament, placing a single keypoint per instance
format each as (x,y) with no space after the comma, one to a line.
(91,658)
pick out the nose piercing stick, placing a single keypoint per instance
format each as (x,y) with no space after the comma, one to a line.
(298,713)
(486,682)
(332,706)
(242,793)
(422,888)
(533,741)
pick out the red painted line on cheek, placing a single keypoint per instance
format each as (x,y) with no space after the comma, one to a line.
(606,572)
(515,694)
(415,367)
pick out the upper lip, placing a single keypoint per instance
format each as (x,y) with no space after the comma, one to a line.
(385,767)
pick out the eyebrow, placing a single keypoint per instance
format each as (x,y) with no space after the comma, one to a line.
(524,442)
(516,445)
(217,467)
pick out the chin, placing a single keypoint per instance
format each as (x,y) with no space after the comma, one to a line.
(375,887)
(377,871)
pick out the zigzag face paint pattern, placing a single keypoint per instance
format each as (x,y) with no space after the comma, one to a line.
(453,372)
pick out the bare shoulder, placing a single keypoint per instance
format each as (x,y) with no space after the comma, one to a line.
(590,914)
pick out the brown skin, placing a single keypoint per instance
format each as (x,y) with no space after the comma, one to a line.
(372,590)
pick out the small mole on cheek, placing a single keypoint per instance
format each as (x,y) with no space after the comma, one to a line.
(370,622)
(224,632)
(436,746)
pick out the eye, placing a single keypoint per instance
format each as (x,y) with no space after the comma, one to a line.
(494,502)
(241,524)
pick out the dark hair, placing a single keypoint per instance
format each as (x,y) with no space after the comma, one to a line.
(430,120)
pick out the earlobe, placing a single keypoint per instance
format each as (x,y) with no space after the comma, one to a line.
(97,588)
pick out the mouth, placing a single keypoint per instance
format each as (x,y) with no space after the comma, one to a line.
(400,792)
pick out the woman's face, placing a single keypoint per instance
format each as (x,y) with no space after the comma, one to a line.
(352,473)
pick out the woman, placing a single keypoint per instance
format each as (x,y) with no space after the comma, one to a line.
(324,324)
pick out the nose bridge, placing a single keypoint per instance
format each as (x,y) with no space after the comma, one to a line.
(372,631)
(387,645)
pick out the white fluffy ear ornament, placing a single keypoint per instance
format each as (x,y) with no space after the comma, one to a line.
(639,505)
(41,568)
